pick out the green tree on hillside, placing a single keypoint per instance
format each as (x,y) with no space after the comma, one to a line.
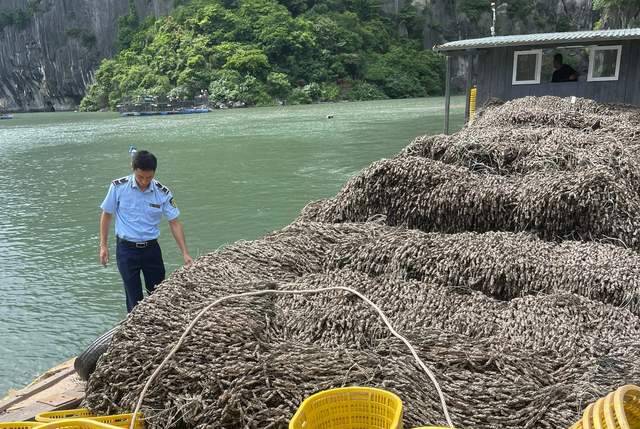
(257,50)
(278,85)
(127,27)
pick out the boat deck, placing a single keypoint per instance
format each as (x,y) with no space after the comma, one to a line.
(60,388)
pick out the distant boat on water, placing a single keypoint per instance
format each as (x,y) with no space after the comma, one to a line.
(6,117)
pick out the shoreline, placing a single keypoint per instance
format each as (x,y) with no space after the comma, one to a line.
(20,112)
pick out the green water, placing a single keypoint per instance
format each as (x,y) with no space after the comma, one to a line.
(235,175)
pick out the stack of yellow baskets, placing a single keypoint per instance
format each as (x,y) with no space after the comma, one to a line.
(618,410)
(77,419)
(368,408)
(354,408)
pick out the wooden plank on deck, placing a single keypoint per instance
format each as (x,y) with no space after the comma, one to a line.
(36,388)
(29,412)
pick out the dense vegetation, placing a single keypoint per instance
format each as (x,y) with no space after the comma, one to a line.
(85,37)
(255,51)
(18,17)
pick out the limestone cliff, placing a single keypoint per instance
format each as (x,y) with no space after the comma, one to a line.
(47,63)
(627,18)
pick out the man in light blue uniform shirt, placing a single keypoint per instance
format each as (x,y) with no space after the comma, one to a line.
(139,202)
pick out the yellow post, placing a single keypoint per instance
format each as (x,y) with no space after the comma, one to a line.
(472,104)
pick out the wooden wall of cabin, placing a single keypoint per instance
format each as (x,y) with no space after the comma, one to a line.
(495,71)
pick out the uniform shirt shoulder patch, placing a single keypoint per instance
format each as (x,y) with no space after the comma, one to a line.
(120,181)
(162,188)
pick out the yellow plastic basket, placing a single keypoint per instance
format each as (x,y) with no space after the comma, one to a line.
(76,424)
(19,425)
(618,410)
(119,420)
(349,408)
(53,416)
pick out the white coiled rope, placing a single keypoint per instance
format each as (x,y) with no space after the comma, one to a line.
(282,292)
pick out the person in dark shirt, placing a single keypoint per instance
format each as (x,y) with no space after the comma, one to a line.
(564,72)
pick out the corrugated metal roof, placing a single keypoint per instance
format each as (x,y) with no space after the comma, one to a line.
(540,39)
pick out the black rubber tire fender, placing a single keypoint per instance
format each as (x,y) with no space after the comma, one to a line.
(86,361)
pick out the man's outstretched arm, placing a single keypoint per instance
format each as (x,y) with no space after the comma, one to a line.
(105,224)
(178,234)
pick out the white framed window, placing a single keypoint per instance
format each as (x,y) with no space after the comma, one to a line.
(527,66)
(604,63)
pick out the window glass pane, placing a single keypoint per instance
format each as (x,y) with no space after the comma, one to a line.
(604,62)
(526,67)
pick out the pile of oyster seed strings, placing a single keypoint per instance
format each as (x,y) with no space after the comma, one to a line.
(506,254)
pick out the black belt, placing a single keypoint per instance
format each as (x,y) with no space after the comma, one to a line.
(140,245)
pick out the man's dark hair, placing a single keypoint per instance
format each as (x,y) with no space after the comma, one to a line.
(558,58)
(144,160)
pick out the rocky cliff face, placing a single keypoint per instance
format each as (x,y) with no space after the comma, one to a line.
(467,19)
(629,18)
(44,67)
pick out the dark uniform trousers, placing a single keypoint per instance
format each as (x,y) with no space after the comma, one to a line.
(131,261)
